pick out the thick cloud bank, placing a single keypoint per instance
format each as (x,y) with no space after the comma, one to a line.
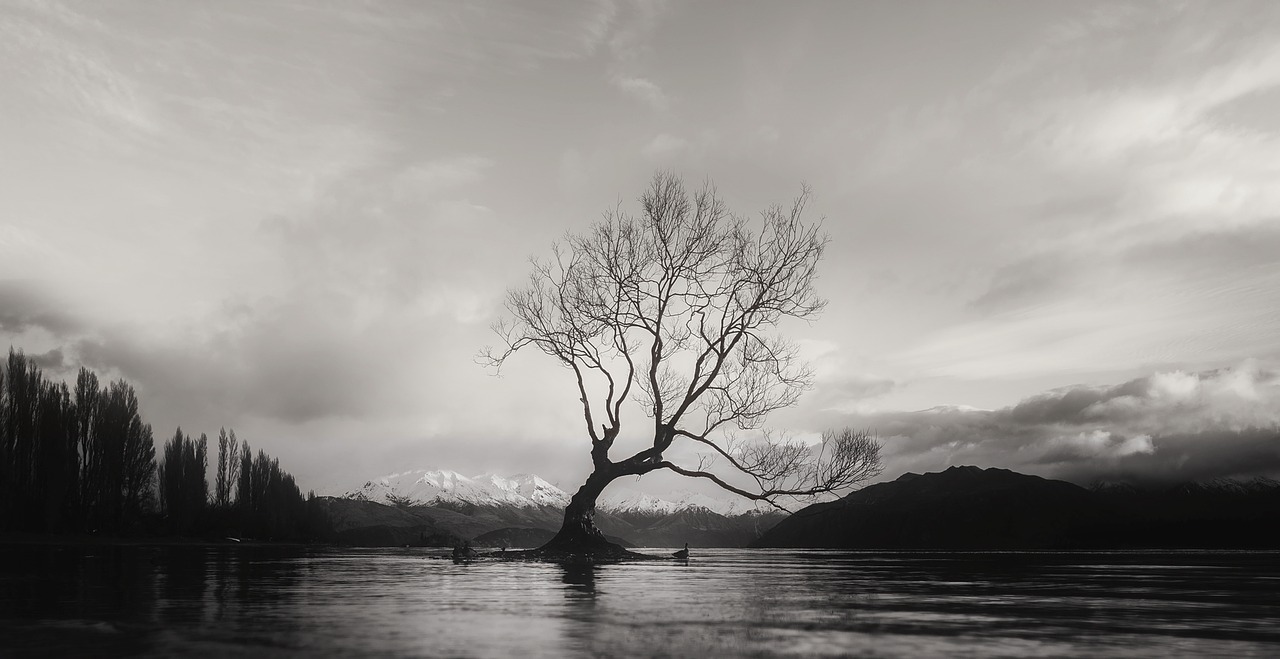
(1165,427)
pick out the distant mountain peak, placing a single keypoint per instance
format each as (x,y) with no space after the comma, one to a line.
(941,409)
(428,486)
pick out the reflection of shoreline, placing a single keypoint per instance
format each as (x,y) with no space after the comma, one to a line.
(86,540)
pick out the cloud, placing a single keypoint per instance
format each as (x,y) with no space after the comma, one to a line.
(848,392)
(52,360)
(387,237)
(1185,166)
(432,177)
(642,89)
(664,146)
(1164,427)
(1027,282)
(27,305)
(279,363)
(58,49)
(1103,201)
(634,24)
(375,283)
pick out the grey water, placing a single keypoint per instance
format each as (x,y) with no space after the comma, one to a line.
(68,600)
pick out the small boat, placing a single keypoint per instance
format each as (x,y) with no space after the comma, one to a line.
(683,553)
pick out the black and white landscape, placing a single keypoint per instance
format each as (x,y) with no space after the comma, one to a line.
(639,328)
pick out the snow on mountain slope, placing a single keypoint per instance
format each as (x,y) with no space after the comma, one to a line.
(422,487)
(630,501)
(429,486)
(637,502)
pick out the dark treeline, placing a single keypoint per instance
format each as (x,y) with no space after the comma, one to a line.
(83,461)
(71,462)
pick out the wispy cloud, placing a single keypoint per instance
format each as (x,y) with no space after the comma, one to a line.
(642,89)
(664,146)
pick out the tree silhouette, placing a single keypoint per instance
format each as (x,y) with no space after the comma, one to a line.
(128,456)
(673,310)
(19,440)
(87,402)
(84,460)
(226,461)
(269,503)
(55,482)
(184,487)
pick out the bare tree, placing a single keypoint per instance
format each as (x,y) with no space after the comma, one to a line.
(674,310)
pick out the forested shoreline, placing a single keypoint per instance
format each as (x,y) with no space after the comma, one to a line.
(80,460)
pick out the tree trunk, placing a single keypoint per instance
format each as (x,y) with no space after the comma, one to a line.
(578,534)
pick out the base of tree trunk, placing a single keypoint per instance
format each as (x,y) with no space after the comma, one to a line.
(603,549)
(584,540)
(578,535)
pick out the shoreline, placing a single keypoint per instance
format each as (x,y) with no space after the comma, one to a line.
(84,539)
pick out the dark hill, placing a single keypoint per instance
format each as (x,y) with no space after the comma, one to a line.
(960,508)
(973,508)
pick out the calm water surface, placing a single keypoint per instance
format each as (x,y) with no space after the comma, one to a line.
(219,601)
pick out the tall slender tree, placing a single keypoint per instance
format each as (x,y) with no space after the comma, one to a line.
(233,466)
(222,483)
(87,398)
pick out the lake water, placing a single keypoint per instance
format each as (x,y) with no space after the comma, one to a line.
(294,601)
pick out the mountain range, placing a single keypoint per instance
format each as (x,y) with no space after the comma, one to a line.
(427,487)
(444,507)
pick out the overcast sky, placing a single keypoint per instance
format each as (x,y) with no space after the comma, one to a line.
(298,219)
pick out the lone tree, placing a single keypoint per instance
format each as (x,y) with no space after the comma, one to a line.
(674,310)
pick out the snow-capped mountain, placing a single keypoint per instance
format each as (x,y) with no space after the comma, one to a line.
(943,409)
(423,487)
(637,502)
(628,501)
(427,487)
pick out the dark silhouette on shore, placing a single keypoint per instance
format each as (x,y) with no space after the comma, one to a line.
(83,462)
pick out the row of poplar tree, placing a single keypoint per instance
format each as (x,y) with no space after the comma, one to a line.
(252,496)
(82,460)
